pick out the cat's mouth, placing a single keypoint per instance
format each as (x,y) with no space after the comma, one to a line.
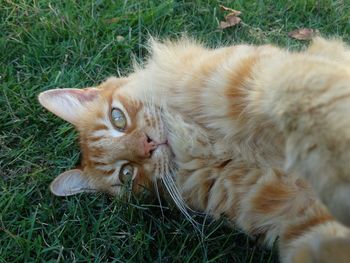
(159,146)
(165,143)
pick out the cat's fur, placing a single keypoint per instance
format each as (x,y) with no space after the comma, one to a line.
(238,131)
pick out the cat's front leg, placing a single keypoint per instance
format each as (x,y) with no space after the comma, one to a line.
(271,204)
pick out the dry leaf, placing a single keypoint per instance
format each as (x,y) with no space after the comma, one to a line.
(231,19)
(303,33)
(112,20)
(232,11)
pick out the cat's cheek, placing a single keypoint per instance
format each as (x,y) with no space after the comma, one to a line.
(147,168)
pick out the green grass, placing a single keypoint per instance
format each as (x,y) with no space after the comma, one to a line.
(74,44)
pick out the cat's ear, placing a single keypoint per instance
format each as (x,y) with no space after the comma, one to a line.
(70,183)
(67,103)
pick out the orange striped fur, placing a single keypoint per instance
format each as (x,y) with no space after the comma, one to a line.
(257,134)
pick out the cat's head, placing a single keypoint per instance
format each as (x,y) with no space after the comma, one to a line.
(123,141)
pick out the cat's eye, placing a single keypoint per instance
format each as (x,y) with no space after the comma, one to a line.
(118,119)
(126,174)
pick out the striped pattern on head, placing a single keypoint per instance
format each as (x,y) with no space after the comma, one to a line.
(123,141)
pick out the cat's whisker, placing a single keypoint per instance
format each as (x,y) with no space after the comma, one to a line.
(174,193)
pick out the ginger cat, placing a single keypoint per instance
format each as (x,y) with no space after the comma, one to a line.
(255,133)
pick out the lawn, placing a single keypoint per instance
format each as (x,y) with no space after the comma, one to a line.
(74,44)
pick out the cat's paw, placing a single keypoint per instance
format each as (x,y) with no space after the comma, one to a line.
(328,251)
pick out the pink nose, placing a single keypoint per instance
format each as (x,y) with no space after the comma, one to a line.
(148,146)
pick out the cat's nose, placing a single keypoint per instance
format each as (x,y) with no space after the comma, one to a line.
(148,146)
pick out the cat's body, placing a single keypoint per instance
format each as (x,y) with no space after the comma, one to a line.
(239,129)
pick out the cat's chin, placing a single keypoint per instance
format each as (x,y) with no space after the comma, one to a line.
(163,157)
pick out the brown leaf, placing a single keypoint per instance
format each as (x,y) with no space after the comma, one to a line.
(232,11)
(303,33)
(230,20)
(112,20)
